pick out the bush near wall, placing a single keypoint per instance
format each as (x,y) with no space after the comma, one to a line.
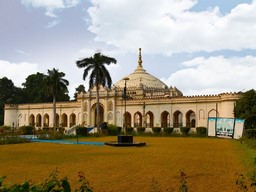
(250,133)
(156,129)
(201,130)
(184,130)
(130,130)
(26,130)
(4,129)
(81,131)
(168,130)
(141,129)
(113,129)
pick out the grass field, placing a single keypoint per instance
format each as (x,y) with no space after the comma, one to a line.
(210,164)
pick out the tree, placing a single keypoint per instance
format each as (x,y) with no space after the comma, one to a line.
(9,94)
(99,75)
(246,108)
(55,84)
(79,89)
(35,89)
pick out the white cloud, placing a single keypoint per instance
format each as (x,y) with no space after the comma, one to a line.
(52,24)
(50,5)
(215,75)
(169,26)
(17,72)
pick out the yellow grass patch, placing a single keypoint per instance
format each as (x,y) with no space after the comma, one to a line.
(210,164)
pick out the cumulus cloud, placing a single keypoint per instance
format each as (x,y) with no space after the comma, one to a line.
(214,75)
(170,26)
(16,72)
(50,5)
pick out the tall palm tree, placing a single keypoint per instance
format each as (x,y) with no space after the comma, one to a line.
(99,75)
(55,84)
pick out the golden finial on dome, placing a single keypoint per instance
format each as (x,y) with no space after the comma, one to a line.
(140,61)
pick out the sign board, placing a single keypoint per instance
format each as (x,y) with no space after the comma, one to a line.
(225,127)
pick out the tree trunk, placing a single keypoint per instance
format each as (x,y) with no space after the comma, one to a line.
(54,113)
(98,108)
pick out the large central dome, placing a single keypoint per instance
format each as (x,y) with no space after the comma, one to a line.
(140,78)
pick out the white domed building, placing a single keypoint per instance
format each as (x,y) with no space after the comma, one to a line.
(149,103)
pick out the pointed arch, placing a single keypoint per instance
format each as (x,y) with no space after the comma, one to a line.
(46,120)
(137,119)
(127,119)
(32,120)
(72,120)
(201,114)
(64,120)
(190,119)
(149,119)
(94,113)
(38,120)
(213,113)
(177,119)
(57,120)
(165,119)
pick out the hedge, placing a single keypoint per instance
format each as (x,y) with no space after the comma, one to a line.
(201,130)
(184,130)
(168,129)
(156,129)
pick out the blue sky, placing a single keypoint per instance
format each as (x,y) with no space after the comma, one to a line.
(199,46)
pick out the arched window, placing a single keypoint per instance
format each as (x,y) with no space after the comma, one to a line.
(64,120)
(38,120)
(32,120)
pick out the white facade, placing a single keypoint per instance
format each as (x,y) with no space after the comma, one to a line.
(149,103)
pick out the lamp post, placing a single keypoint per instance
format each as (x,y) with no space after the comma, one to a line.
(125,97)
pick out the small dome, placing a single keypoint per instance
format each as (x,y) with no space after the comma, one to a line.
(141,78)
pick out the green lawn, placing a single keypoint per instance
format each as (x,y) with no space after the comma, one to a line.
(209,163)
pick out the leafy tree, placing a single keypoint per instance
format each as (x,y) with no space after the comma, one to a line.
(79,89)
(99,74)
(55,85)
(9,94)
(35,89)
(246,108)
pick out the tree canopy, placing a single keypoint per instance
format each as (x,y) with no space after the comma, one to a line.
(246,108)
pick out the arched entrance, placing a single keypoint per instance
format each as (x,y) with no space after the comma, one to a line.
(137,119)
(190,119)
(149,119)
(165,119)
(101,115)
(127,120)
(177,119)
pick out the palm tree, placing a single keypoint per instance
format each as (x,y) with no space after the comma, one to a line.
(55,84)
(99,75)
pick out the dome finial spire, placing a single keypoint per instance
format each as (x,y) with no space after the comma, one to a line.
(140,61)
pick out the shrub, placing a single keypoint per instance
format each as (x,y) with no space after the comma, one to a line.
(201,130)
(141,129)
(113,129)
(250,133)
(4,128)
(168,130)
(12,139)
(81,131)
(184,130)
(129,130)
(156,129)
(26,130)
